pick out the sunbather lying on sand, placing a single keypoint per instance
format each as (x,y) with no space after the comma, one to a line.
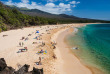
(26,38)
(34,43)
(22,50)
(29,35)
(39,52)
(5,35)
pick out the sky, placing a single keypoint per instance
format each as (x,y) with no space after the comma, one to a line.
(94,9)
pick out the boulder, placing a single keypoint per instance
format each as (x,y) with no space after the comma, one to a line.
(23,69)
(3,64)
(37,71)
(4,69)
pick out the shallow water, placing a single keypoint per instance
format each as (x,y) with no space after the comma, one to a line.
(93,42)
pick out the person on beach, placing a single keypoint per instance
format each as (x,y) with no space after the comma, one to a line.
(22,43)
(54,47)
(41,51)
(23,38)
(19,43)
(34,43)
(43,43)
(26,38)
(39,58)
(39,63)
(25,48)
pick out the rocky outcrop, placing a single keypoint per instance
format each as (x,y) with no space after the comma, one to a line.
(37,71)
(3,64)
(4,69)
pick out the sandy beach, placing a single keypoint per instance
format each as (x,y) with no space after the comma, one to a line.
(57,59)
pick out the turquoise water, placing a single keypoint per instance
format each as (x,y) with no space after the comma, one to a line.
(93,42)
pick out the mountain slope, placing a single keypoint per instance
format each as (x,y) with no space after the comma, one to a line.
(36,12)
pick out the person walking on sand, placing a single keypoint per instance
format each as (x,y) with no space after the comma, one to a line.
(19,43)
(40,61)
(22,43)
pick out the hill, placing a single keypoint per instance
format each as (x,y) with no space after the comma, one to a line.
(36,12)
(60,17)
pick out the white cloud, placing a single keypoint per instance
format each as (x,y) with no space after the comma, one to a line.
(69,9)
(51,0)
(64,5)
(75,2)
(74,5)
(49,7)
(57,9)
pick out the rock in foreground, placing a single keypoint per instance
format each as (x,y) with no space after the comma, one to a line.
(4,69)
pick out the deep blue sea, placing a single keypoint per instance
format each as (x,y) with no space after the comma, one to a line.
(93,42)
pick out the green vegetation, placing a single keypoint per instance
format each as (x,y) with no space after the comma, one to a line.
(11,18)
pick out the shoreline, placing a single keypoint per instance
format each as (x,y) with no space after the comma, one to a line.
(92,68)
(71,64)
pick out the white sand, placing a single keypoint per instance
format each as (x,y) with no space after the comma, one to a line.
(9,46)
(66,63)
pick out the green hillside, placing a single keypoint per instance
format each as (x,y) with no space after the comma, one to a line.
(12,18)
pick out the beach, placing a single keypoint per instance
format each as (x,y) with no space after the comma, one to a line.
(71,64)
(57,58)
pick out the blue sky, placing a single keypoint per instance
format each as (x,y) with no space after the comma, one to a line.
(95,9)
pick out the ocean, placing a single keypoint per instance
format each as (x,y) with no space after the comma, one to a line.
(93,42)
